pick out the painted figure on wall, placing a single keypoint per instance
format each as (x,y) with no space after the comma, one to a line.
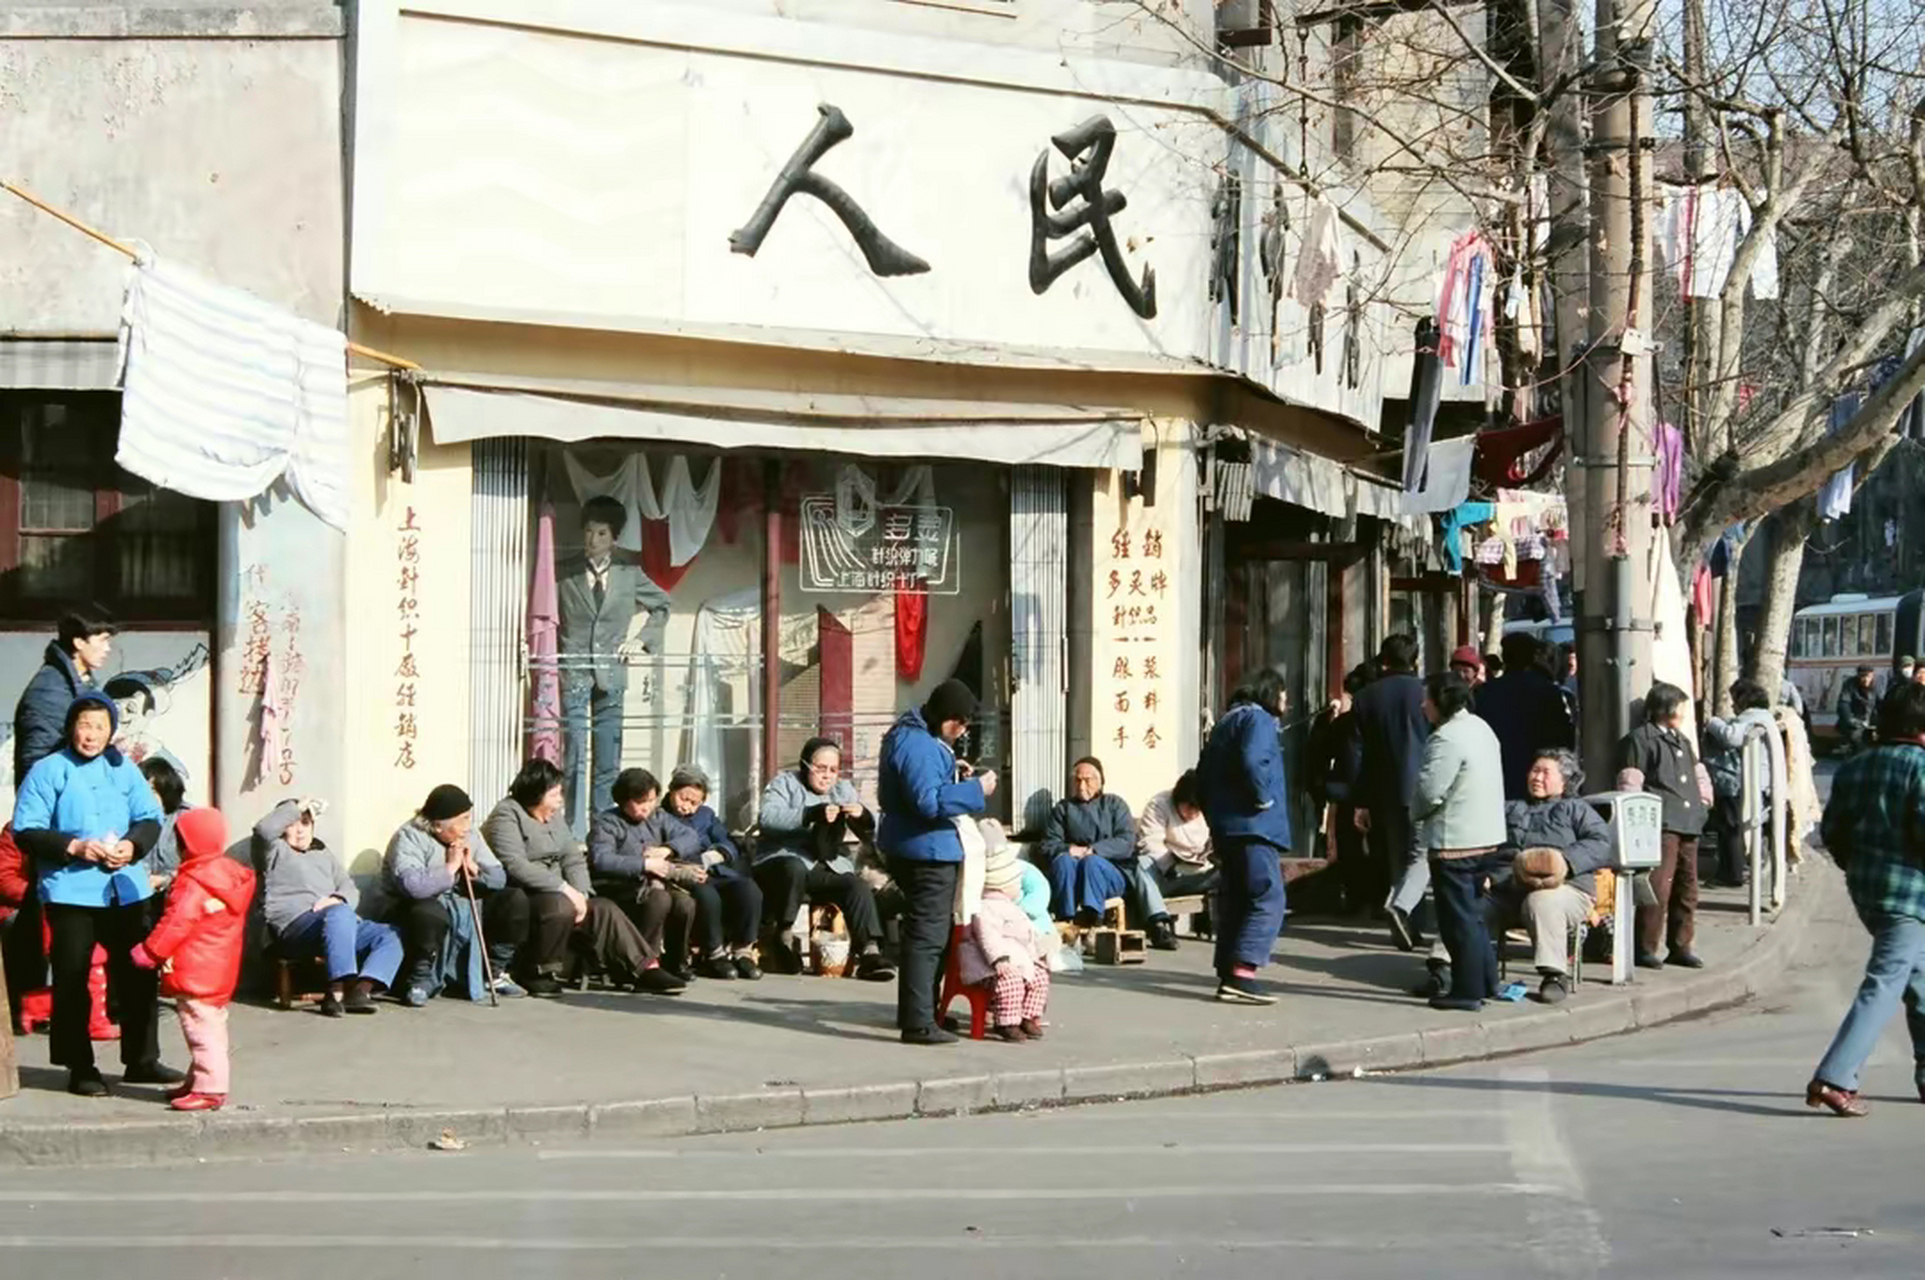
(601,597)
(1087,147)
(144,698)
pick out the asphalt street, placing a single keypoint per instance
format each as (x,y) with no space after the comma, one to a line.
(1680,1152)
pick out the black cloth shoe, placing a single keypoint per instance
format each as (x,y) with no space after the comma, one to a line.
(1650,960)
(1163,935)
(874,968)
(331,1006)
(659,982)
(929,1035)
(718,967)
(1553,990)
(1685,960)
(1464,1004)
(1436,982)
(86,1084)
(153,1073)
(544,985)
(745,967)
(779,956)
(683,974)
(360,1000)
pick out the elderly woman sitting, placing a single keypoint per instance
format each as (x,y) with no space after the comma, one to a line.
(1558,843)
(1089,843)
(805,815)
(432,865)
(309,901)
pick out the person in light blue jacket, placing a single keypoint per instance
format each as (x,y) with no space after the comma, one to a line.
(1247,804)
(801,852)
(88,819)
(921,792)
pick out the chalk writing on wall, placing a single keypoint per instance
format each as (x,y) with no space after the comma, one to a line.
(407,554)
(272,666)
(1137,588)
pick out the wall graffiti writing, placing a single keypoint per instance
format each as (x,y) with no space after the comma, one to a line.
(407,674)
(273,665)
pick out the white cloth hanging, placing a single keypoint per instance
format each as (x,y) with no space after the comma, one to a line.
(629,484)
(222,394)
(722,655)
(1321,259)
(690,508)
(1699,234)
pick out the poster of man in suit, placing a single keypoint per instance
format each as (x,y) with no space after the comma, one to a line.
(601,598)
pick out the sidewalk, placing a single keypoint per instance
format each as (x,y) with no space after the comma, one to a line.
(787,1051)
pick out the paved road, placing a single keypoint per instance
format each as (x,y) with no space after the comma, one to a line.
(1683,1152)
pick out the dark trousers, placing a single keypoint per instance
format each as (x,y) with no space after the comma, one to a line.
(23,952)
(1249,903)
(1674,882)
(611,942)
(1457,887)
(928,916)
(656,913)
(1364,885)
(424,926)
(135,992)
(1733,866)
(725,914)
(787,882)
(551,924)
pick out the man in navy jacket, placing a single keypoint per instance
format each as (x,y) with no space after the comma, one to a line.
(921,796)
(1391,723)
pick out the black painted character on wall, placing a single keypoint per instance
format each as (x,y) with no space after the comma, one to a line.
(886,257)
(1087,147)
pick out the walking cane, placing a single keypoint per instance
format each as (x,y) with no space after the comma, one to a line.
(481,941)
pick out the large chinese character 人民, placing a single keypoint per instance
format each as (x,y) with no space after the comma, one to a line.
(1087,147)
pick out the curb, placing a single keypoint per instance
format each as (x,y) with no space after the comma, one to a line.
(1613,1012)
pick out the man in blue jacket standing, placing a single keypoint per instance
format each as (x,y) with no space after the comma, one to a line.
(1247,804)
(921,792)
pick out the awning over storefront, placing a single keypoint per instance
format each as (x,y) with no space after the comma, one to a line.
(734,418)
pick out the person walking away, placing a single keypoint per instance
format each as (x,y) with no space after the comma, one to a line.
(1364,886)
(1659,750)
(1001,950)
(1391,724)
(197,949)
(1246,801)
(1874,826)
(1525,709)
(1858,709)
(88,820)
(1724,742)
(921,791)
(1459,809)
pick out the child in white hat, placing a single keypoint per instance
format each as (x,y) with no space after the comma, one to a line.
(1002,950)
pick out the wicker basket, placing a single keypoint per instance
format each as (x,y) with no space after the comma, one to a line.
(831,953)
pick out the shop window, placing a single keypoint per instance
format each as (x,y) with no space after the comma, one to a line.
(74,527)
(893,578)
(1867,635)
(1831,638)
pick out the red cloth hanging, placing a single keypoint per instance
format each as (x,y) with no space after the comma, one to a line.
(1530,573)
(655,556)
(1500,454)
(912,630)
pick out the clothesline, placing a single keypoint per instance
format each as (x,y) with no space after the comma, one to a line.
(127,249)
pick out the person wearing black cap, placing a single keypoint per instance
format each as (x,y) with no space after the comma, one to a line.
(922,790)
(803,821)
(420,891)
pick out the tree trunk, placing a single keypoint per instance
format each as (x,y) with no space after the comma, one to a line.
(1790,529)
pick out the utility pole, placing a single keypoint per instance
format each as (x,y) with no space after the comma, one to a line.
(1612,468)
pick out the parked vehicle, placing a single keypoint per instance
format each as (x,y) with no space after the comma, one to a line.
(1830,641)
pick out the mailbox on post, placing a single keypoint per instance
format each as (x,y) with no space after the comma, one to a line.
(1636,820)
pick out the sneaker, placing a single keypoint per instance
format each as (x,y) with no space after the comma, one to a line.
(745,967)
(331,1006)
(153,1073)
(929,1035)
(659,982)
(415,997)
(1163,935)
(1685,960)
(544,986)
(1553,990)
(360,999)
(718,967)
(86,1084)
(199,1102)
(1234,990)
(507,988)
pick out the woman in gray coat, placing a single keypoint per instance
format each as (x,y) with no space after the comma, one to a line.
(1459,808)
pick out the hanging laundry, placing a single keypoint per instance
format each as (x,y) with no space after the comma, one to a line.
(223,394)
(1426,385)
(1702,601)
(689,508)
(1667,477)
(1501,453)
(1446,478)
(629,484)
(1321,260)
(1456,523)
(1725,550)
(1699,233)
(1834,500)
(1464,306)
(912,631)
(544,650)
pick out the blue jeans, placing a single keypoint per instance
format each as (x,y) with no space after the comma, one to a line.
(1463,926)
(1894,974)
(352,946)
(1249,903)
(1083,884)
(591,722)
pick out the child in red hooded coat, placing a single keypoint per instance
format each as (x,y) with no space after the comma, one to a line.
(197,946)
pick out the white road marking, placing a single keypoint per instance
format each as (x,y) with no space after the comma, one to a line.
(1174,1148)
(799,1195)
(1566,1234)
(418,1244)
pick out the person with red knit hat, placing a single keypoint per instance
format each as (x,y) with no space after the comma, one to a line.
(197,947)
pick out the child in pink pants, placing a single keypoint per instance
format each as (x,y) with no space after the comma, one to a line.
(1001,950)
(197,947)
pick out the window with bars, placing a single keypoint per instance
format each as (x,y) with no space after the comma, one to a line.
(74,527)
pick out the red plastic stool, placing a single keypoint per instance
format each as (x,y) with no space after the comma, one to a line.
(36,1007)
(953,986)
